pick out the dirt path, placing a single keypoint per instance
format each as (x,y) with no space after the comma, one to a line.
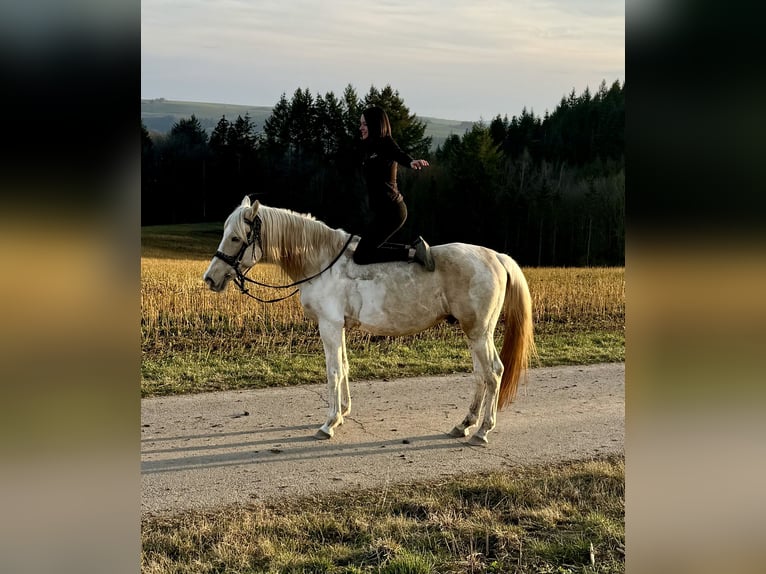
(202,451)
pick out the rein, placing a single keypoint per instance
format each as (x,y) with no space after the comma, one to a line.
(253,238)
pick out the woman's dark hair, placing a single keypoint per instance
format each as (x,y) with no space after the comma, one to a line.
(378,125)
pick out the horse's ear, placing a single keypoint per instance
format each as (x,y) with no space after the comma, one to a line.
(250,209)
(245,201)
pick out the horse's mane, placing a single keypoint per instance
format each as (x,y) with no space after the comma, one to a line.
(297,242)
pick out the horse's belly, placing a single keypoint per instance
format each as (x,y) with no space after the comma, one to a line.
(388,314)
(390,326)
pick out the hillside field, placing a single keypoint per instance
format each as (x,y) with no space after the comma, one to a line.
(159,115)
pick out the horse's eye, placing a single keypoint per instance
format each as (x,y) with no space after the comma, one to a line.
(235,239)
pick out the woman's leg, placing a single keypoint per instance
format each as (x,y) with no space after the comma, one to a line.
(371,248)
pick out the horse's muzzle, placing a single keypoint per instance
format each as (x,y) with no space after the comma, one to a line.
(212,284)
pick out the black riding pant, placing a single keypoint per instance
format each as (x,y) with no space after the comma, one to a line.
(373,247)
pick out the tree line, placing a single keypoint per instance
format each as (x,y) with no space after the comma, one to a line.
(547,190)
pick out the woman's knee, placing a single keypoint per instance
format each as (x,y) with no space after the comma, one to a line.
(362,257)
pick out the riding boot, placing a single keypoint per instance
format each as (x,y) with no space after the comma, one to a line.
(423,254)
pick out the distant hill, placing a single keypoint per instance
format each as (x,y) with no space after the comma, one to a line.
(160,114)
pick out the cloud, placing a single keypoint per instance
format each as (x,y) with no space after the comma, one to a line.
(306,42)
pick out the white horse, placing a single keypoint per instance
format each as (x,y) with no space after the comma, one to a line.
(472,284)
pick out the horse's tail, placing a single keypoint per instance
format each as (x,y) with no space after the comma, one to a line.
(518,339)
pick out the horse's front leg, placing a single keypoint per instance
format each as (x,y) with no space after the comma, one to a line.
(345,400)
(332,340)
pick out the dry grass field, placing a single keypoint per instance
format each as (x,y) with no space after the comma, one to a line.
(196,340)
(176,304)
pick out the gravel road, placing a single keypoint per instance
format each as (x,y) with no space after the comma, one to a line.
(206,450)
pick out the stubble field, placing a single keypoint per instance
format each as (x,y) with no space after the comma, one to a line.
(194,340)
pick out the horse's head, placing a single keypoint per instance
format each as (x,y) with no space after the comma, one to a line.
(239,249)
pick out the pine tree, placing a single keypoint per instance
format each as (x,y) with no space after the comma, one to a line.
(146,141)
(241,136)
(331,125)
(188,138)
(219,139)
(498,129)
(276,128)
(303,132)
(352,110)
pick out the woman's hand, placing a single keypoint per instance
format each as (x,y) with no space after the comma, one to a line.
(418,163)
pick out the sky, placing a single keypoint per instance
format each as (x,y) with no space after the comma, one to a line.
(448,59)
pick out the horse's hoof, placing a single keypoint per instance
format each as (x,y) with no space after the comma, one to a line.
(458,432)
(478,441)
(322,435)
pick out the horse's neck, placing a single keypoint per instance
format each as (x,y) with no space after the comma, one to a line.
(302,246)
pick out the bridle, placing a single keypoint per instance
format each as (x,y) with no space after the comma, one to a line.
(253,238)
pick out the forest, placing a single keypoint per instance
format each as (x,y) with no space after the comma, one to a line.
(549,191)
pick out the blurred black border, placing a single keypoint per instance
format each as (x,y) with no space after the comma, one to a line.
(695,275)
(70,360)
(72,108)
(694,115)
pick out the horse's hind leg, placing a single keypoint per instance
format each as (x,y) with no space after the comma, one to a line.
(487,369)
(493,369)
(332,340)
(480,378)
(465,427)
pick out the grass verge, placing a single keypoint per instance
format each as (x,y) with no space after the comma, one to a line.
(538,519)
(190,368)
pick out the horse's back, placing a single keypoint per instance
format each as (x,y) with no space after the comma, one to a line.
(454,262)
(469,265)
